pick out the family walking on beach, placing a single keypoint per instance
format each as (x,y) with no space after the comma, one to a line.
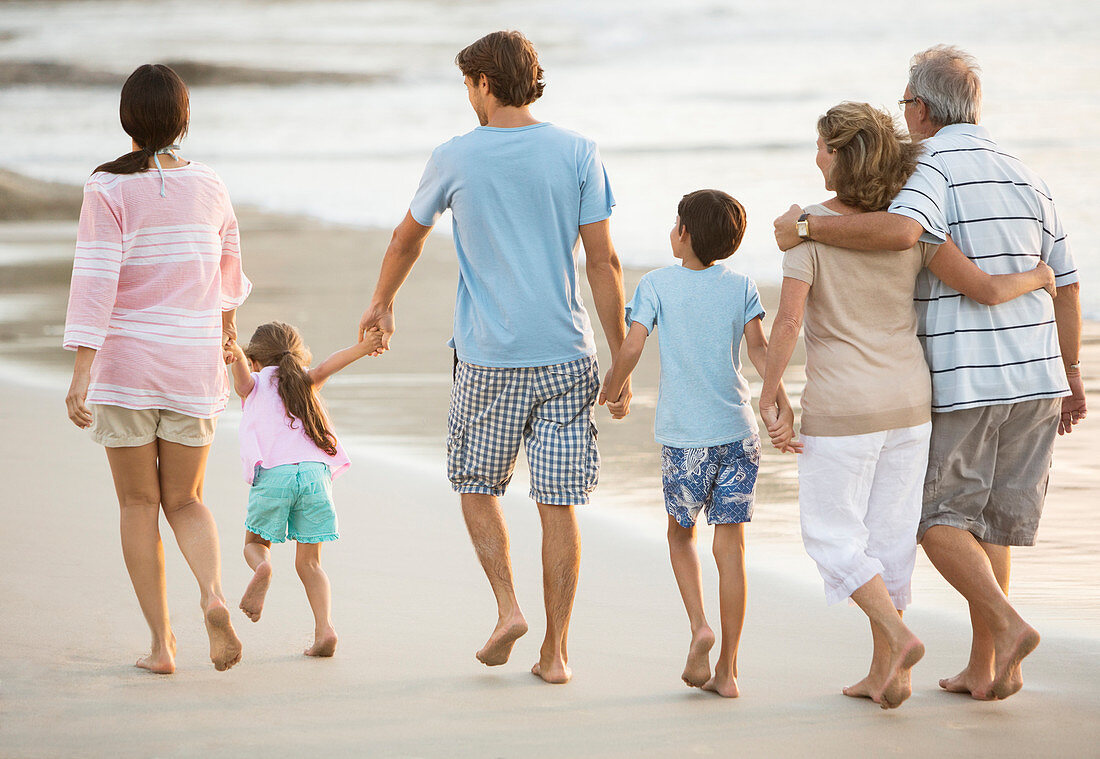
(935,289)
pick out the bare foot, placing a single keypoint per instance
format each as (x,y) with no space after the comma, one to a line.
(1009,678)
(161,660)
(974,685)
(724,684)
(499,646)
(555,672)
(225,646)
(896,687)
(697,670)
(252,603)
(324,643)
(865,688)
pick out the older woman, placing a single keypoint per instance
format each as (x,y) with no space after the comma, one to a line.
(156,283)
(866,407)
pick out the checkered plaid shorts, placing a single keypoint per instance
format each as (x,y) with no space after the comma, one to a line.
(547,408)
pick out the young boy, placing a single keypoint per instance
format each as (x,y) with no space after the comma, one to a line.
(705,419)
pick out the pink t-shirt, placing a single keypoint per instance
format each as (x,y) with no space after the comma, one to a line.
(270,438)
(151,278)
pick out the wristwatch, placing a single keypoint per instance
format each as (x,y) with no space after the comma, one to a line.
(802,226)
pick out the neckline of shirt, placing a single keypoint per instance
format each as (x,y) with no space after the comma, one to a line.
(523,128)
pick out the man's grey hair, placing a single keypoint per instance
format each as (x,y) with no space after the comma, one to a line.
(946,79)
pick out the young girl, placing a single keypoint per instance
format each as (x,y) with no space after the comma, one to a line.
(290,457)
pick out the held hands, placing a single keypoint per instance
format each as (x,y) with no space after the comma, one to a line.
(370,343)
(382,320)
(1073,406)
(786,236)
(620,406)
(780,425)
(231,351)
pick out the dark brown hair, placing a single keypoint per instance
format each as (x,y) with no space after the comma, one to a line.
(278,344)
(153,110)
(872,158)
(715,221)
(509,61)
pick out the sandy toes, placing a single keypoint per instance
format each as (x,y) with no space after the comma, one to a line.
(225,646)
(252,603)
(975,686)
(555,673)
(499,646)
(697,670)
(1009,678)
(897,687)
(324,644)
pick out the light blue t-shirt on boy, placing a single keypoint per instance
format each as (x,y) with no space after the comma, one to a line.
(517,197)
(700,317)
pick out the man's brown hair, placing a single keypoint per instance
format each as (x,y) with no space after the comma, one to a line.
(715,221)
(509,62)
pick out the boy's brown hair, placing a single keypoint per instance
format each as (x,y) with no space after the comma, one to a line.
(509,62)
(715,221)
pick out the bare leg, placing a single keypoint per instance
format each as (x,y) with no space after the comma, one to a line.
(135,474)
(960,558)
(257,552)
(308,563)
(489,534)
(182,468)
(905,650)
(729,555)
(977,678)
(561,560)
(685,565)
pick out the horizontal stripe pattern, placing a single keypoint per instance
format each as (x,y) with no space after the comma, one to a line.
(147,293)
(1003,217)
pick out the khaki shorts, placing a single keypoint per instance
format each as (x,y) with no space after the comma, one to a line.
(988,469)
(118,427)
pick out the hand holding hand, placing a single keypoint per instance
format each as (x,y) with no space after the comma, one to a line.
(382,320)
(780,426)
(786,236)
(619,407)
(371,343)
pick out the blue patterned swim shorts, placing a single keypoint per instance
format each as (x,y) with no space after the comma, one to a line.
(546,408)
(721,480)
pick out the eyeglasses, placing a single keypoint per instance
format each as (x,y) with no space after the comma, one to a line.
(906,101)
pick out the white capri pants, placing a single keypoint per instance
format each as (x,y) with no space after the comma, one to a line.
(859,499)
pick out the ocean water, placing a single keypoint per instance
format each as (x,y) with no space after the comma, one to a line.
(699,93)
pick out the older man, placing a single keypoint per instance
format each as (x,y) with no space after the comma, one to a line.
(521,192)
(1005,378)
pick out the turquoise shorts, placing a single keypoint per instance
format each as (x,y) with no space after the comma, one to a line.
(293,500)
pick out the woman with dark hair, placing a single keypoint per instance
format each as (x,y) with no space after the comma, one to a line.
(156,283)
(866,407)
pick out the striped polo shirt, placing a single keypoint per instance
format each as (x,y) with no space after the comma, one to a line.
(1002,216)
(151,278)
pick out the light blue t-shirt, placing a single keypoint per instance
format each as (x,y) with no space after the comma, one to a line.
(700,317)
(518,197)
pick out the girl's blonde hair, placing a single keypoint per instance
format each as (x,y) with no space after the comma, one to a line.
(279,344)
(872,158)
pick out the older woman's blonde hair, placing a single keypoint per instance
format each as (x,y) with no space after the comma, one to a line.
(872,158)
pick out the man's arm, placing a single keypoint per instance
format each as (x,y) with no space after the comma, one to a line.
(605,277)
(1067,314)
(405,248)
(879,230)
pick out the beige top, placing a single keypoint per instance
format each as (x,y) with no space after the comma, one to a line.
(865,369)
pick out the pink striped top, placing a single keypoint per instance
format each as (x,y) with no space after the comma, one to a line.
(151,277)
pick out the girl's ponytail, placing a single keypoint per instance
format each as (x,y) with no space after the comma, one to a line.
(302,403)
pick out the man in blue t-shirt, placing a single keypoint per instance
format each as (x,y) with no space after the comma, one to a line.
(520,192)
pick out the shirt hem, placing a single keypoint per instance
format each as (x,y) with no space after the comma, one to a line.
(864,424)
(962,406)
(91,400)
(723,440)
(528,364)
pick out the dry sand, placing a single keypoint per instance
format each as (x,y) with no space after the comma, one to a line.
(410,602)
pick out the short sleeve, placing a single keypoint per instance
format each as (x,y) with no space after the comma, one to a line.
(753,309)
(96,268)
(1055,250)
(924,198)
(596,197)
(644,306)
(235,285)
(432,196)
(928,251)
(798,263)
